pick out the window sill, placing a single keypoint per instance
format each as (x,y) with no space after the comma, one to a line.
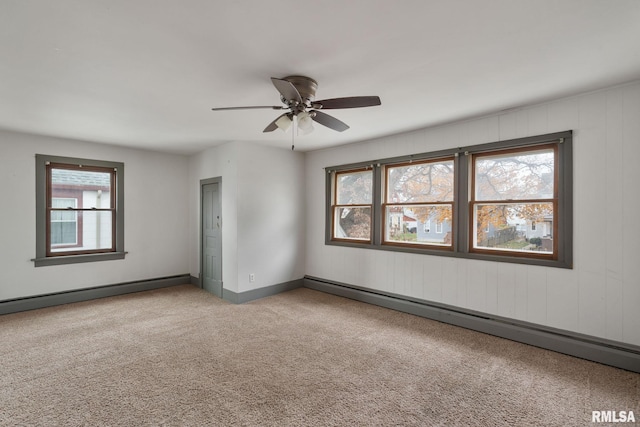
(75,259)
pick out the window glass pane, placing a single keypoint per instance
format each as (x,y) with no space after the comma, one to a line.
(413,224)
(526,227)
(63,233)
(63,204)
(91,188)
(63,216)
(96,229)
(99,199)
(420,182)
(93,232)
(354,188)
(515,176)
(63,223)
(352,223)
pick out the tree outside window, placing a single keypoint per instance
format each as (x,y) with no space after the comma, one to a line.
(352,209)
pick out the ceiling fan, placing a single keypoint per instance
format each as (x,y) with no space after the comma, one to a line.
(297,93)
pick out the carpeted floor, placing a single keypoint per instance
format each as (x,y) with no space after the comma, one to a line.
(182,357)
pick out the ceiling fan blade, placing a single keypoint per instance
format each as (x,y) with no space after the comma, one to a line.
(273,126)
(329,121)
(287,89)
(348,102)
(275,107)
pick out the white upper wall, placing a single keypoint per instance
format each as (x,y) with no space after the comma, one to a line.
(156,232)
(220,161)
(599,297)
(263,215)
(271,216)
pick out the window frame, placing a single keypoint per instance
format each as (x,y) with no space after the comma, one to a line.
(385,202)
(461,218)
(44,257)
(79,211)
(335,206)
(553,200)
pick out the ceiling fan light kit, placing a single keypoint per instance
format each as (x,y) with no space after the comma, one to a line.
(305,122)
(283,122)
(298,93)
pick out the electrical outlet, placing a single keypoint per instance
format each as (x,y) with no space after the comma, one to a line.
(252,277)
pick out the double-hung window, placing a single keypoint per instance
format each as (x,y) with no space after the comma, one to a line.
(513,190)
(352,205)
(417,194)
(88,226)
(79,210)
(505,201)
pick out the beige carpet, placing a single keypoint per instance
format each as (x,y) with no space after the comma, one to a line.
(181,357)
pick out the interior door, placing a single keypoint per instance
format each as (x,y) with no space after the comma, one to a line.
(211,262)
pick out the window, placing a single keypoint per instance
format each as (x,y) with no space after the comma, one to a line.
(79,210)
(510,189)
(92,218)
(352,206)
(505,201)
(418,192)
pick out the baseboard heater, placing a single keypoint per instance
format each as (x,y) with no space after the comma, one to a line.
(86,294)
(612,353)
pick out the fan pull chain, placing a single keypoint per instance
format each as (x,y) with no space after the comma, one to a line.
(293,130)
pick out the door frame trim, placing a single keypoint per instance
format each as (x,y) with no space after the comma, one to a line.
(203,182)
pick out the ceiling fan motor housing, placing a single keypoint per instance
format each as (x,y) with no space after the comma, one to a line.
(306,87)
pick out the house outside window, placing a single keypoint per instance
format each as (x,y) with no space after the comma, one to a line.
(79,210)
(441,233)
(64,224)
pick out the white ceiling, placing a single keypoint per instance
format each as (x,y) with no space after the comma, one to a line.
(145,73)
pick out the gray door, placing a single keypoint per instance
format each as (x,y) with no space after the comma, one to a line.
(211,262)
